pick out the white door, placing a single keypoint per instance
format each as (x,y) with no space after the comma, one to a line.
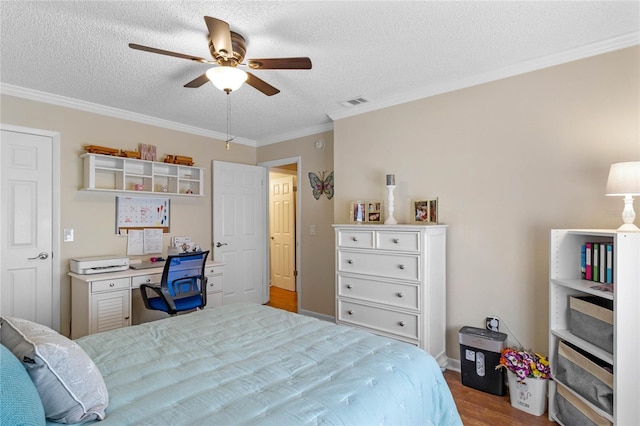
(282,230)
(28,287)
(239,230)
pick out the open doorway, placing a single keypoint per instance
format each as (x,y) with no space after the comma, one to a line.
(283,212)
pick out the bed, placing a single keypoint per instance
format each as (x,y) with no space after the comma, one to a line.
(252,364)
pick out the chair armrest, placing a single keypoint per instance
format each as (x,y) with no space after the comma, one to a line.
(160,291)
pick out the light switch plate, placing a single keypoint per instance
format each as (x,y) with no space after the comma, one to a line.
(68,235)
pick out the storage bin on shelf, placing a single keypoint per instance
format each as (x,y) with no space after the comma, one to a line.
(571,411)
(588,376)
(591,319)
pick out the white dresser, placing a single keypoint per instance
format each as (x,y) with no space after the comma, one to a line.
(391,280)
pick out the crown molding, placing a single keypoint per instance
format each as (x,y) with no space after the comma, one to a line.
(296,134)
(38,96)
(582,52)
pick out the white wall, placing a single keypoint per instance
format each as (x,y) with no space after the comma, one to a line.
(509,160)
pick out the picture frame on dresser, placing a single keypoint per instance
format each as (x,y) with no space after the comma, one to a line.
(366,211)
(424,211)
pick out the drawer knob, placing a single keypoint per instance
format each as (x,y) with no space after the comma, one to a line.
(210,284)
(127,318)
(401,323)
(401,266)
(350,312)
(350,262)
(400,294)
(148,280)
(396,240)
(112,285)
(349,286)
(354,238)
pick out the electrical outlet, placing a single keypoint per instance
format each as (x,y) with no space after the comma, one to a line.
(492,323)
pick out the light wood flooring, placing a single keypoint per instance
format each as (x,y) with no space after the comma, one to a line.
(476,408)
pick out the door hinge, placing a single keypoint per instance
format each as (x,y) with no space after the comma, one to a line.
(295,273)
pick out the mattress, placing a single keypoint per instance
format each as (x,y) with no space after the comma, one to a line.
(252,364)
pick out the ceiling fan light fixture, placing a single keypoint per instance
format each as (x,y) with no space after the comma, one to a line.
(227,78)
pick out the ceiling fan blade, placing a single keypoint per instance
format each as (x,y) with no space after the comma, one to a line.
(168,53)
(198,81)
(280,64)
(220,36)
(261,85)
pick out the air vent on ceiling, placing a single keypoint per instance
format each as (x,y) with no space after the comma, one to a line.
(353,102)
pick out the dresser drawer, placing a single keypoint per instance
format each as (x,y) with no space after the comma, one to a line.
(355,238)
(108,285)
(145,279)
(386,320)
(404,267)
(214,283)
(394,294)
(398,240)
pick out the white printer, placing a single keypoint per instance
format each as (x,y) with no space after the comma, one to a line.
(98,265)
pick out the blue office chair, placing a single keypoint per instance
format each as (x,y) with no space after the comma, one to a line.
(183,286)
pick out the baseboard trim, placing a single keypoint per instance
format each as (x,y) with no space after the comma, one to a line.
(317,315)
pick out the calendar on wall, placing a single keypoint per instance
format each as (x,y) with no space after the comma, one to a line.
(142,213)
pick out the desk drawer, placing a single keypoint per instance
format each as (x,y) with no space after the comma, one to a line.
(212,270)
(389,321)
(393,294)
(404,267)
(214,283)
(109,285)
(355,239)
(145,279)
(399,241)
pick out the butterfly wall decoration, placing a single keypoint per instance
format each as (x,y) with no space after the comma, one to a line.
(321,185)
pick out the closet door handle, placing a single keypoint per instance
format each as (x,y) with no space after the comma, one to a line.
(41,256)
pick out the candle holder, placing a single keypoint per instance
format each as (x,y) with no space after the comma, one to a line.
(390,220)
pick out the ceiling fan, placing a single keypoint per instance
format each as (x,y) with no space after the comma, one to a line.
(228,49)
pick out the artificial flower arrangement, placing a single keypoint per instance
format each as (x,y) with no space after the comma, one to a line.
(525,364)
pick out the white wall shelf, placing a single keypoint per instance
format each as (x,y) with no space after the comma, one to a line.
(119,174)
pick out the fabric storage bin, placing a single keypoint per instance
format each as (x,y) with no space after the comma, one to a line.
(571,411)
(588,376)
(591,319)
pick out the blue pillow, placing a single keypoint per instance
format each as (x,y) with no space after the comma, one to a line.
(19,398)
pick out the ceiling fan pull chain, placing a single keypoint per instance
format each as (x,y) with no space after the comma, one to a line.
(228,112)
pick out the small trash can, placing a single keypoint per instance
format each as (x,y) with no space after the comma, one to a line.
(479,355)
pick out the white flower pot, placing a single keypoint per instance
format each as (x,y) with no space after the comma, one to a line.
(529,396)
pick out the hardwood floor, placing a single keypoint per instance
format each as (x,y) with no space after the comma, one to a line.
(283,299)
(476,408)
(479,408)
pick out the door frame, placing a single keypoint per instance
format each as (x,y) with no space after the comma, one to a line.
(268,165)
(55,214)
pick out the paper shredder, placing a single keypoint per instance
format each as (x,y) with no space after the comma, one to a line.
(479,355)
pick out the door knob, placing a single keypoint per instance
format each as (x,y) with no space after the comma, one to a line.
(219,244)
(42,256)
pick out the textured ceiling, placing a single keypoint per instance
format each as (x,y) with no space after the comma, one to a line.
(385,51)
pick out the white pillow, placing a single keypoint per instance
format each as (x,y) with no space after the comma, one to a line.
(70,385)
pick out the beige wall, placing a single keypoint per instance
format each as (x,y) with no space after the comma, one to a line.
(91,214)
(509,160)
(316,278)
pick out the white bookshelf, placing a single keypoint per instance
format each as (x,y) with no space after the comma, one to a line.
(565,281)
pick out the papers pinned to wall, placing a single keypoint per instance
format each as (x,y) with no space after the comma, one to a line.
(144,241)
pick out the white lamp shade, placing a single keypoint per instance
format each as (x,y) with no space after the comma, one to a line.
(624,179)
(227,78)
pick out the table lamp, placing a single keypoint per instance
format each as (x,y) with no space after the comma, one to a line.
(624,180)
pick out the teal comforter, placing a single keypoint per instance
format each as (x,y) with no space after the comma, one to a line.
(251,364)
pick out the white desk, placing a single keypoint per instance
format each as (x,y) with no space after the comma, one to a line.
(102,302)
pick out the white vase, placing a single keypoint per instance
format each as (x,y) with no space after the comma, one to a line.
(529,395)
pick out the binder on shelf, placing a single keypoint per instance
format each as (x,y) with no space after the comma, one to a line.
(609,278)
(595,264)
(588,259)
(583,261)
(603,263)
